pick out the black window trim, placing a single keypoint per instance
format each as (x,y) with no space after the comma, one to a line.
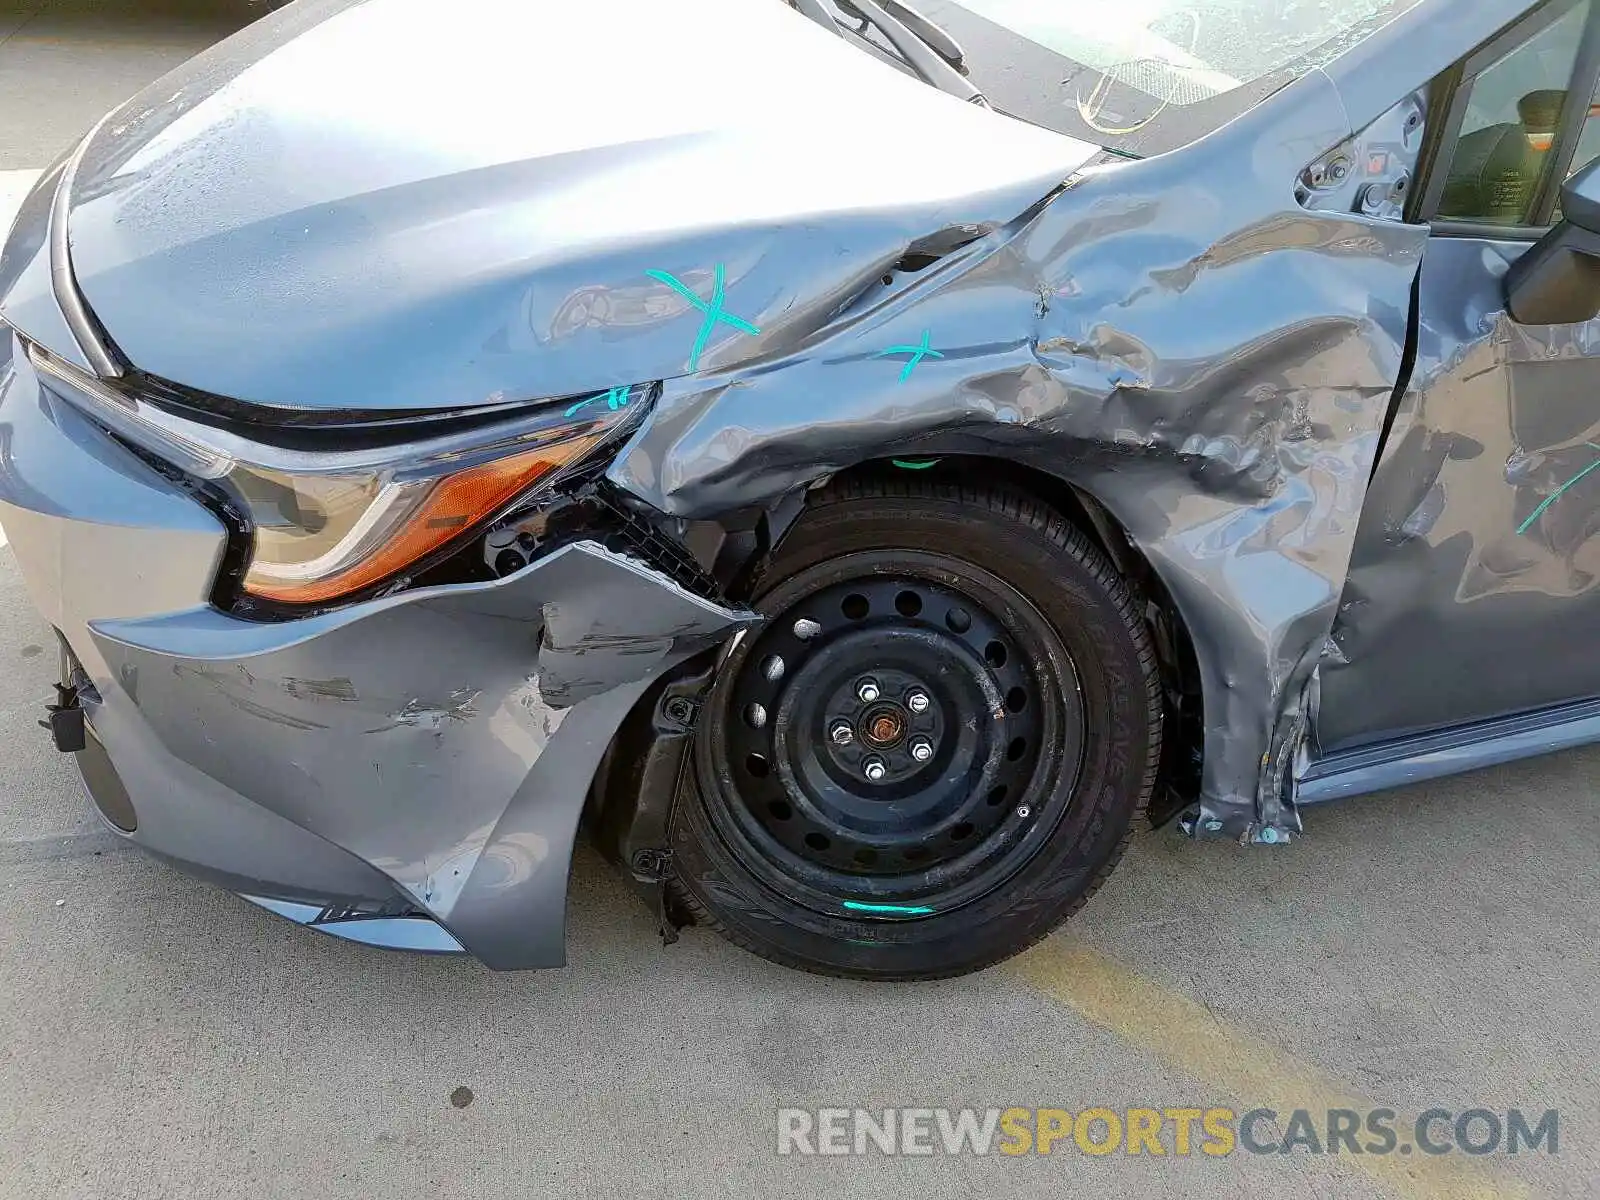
(1451,92)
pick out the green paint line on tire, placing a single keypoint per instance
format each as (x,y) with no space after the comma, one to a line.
(902,910)
(905,464)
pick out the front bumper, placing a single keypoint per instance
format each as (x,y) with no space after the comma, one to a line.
(427,753)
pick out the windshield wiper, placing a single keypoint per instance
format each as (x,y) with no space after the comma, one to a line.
(934,35)
(922,45)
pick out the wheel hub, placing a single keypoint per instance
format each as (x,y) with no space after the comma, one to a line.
(884,726)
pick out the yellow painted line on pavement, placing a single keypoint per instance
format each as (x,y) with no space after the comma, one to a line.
(1183,1034)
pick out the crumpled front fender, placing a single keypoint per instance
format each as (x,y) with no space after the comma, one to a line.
(1181,338)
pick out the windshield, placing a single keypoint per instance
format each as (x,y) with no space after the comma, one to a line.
(1144,76)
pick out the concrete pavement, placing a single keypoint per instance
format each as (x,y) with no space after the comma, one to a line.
(1431,947)
(14,186)
(63,63)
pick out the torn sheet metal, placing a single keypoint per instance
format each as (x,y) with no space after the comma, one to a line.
(1479,549)
(406,931)
(446,737)
(437,744)
(1208,356)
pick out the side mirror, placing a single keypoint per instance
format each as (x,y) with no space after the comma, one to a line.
(1557,282)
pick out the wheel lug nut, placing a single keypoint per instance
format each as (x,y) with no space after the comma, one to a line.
(841,733)
(867,690)
(921,749)
(917,702)
(874,769)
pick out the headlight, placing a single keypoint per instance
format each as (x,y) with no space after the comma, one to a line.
(324,534)
(320,537)
(329,525)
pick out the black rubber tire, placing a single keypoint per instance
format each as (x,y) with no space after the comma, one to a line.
(1094,612)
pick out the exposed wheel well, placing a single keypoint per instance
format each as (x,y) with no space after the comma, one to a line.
(648,752)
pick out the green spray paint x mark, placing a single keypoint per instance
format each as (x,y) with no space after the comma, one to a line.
(1556,495)
(909,910)
(917,352)
(713,311)
(616,398)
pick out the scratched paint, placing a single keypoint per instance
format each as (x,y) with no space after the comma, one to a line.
(420,769)
(321,689)
(417,713)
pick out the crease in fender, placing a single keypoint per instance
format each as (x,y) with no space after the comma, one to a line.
(1065,352)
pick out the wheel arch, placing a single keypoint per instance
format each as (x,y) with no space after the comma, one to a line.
(632,797)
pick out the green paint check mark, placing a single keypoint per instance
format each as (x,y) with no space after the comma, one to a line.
(713,310)
(616,398)
(917,353)
(1556,495)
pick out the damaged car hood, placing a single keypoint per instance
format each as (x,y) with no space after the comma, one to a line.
(369,206)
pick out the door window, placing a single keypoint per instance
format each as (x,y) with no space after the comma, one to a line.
(1513,107)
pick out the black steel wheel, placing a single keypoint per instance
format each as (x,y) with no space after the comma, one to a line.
(886,731)
(932,750)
